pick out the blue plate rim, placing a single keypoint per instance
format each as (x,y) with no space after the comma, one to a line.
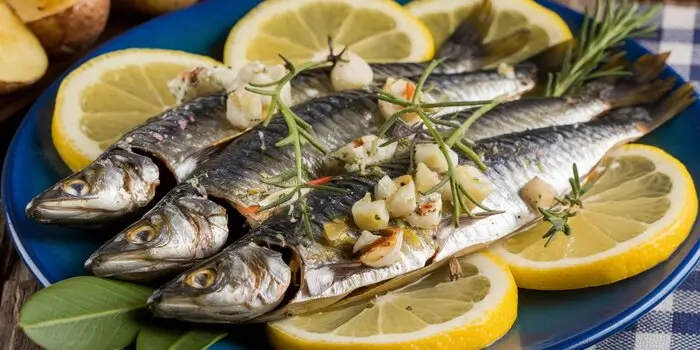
(579,341)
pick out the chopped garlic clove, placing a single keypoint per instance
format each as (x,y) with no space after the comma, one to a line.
(244,108)
(357,155)
(431,155)
(428,213)
(506,70)
(201,81)
(425,178)
(401,88)
(365,239)
(335,231)
(384,188)
(474,182)
(370,215)
(538,193)
(352,72)
(383,251)
(403,201)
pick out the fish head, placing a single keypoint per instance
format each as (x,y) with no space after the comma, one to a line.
(117,183)
(238,285)
(179,231)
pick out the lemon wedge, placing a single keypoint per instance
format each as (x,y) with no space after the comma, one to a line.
(639,210)
(432,313)
(378,31)
(111,94)
(546,27)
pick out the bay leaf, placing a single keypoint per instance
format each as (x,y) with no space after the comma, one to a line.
(160,338)
(84,312)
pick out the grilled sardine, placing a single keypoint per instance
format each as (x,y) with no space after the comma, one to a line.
(278,269)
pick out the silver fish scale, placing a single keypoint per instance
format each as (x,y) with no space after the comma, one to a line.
(337,119)
(512,161)
(181,136)
(533,113)
(315,83)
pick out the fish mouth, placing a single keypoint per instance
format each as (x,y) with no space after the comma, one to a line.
(172,306)
(64,210)
(132,266)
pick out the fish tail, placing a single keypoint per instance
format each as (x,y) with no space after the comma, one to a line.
(625,93)
(500,49)
(467,39)
(649,67)
(671,106)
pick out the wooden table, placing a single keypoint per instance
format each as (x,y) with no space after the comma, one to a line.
(16,282)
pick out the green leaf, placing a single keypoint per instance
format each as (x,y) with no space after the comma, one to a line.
(89,313)
(160,338)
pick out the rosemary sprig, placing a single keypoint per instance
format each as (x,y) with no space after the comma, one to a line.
(559,218)
(607,29)
(453,140)
(299,132)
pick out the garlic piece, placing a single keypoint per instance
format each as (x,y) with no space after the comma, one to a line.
(334,231)
(473,181)
(402,88)
(384,188)
(538,193)
(428,213)
(384,251)
(402,202)
(244,108)
(425,178)
(370,215)
(357,155)
(351,72)
(506,70)
(431,155)
(201,81)
(366,238)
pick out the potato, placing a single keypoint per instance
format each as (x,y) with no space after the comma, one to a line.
(22,59)
(64,27)
(157,7)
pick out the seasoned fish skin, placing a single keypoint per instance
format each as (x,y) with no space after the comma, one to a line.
(181,136)
(235,175)
(329,272)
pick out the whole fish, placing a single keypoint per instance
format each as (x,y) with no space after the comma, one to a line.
(463,51)
(167,148)
(279,269)
(234,177)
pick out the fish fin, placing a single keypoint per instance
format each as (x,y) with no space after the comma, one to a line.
(626,93)
(675,103)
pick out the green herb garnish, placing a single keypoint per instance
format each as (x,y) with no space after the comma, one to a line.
(559,218)
(299,132)
(609,27)
(455,139)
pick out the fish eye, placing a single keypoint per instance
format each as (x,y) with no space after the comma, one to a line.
(201,278)
(76,187)
(141,234)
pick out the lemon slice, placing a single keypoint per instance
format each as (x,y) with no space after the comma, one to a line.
(546,27)
(636,214)
(432,313)
(378,31)
(109,95)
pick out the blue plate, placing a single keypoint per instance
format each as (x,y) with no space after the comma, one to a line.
(54,254)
